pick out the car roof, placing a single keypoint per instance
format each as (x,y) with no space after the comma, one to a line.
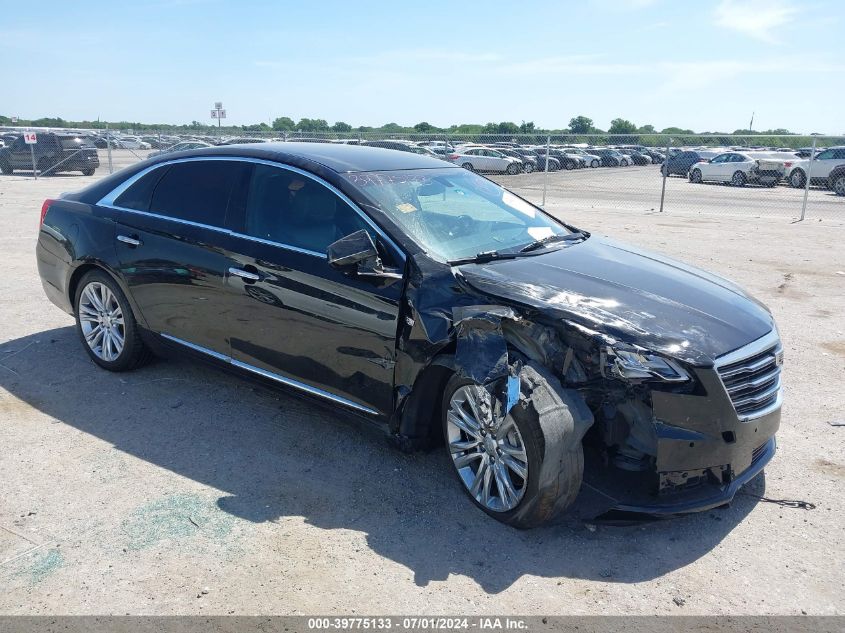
(339,158)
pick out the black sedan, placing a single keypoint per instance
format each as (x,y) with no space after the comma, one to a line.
(436,304)
(680,163)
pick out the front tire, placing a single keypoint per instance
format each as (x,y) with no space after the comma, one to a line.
(526,469)
(838,185)
(512,169)
(106,325)
(468,166)
(6,169)
(529,168)
(738,179)
(595,163)
(87,172)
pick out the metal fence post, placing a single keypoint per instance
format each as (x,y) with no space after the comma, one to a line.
(665,174)
(807,180)
(108,145)
(32,153)
(546,171)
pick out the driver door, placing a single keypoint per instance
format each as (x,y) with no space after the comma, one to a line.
(293,318)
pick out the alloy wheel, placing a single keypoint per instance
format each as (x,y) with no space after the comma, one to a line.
(839,186)
(101,319)
(489,455)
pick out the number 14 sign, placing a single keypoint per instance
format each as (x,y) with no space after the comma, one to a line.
(30,138)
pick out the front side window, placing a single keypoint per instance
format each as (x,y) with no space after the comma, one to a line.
(197,191)
(294,210)
(454,213)
(825,155)
(721,158)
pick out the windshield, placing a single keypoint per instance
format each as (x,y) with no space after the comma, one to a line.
(455,213)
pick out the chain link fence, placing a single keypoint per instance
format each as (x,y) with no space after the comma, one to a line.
(753,176)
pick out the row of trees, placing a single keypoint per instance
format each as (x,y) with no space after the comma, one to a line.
(577,125)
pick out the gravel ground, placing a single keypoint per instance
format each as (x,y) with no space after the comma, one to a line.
(178,489)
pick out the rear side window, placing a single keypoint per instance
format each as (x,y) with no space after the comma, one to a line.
(197,191)
(294,210)
(138,196)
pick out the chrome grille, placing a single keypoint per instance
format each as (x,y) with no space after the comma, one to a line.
(751,376)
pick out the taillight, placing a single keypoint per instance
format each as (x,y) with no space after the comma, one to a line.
(788,164)
(453,156)
(44,208)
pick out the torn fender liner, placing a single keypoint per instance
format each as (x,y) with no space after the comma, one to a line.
(481,352)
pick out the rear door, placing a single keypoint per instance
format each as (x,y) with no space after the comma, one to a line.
(295,319)
(172,241)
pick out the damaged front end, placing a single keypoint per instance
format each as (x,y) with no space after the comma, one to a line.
(664,436)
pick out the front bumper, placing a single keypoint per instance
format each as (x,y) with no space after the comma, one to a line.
(707,496)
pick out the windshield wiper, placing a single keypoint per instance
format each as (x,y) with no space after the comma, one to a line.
(549,239)
(483,257)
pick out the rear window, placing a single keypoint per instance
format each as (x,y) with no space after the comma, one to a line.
(198,191)
(138,196)
(72,142)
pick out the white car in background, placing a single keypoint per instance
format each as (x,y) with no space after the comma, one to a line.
(819,168)
(484,159)
(740,168)
(131,142)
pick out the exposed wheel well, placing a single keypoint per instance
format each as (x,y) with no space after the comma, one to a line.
(77,276)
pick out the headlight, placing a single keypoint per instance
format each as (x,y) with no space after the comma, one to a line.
(634,364)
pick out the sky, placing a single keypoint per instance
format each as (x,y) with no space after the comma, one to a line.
(703,65)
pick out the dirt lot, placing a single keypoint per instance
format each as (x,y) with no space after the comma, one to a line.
(181,490)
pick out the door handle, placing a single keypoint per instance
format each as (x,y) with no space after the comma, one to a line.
(131,241)
(244,274)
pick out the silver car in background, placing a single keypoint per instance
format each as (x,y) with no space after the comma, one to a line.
(476,158)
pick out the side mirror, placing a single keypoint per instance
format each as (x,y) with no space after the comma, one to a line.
(357,253)
(351,250)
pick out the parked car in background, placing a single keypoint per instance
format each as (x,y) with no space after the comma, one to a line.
(739,169)
(609,157)
(178,147)
(836,180)
(554,163)
(590,160)
(529,164)
(241,140)
(655,156)
(131,142)
(819,168)
(566,161)
(402,146)
(485,159)
(53,151)
(680,163)
(635,156)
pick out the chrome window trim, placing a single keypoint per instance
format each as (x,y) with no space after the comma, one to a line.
(290,382)
(109,201)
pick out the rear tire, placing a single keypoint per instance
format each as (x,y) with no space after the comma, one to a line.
(595,163)
(6,168)
(695,176)
(738,179)
(87,172)
(512,169)
(838,185)
(529,168)
(798,179)
(106,325)
(569,164)
(468,166)
(546,437)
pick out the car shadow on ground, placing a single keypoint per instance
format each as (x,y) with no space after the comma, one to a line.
(273,456)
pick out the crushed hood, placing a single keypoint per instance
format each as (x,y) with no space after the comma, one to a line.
(630,295)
